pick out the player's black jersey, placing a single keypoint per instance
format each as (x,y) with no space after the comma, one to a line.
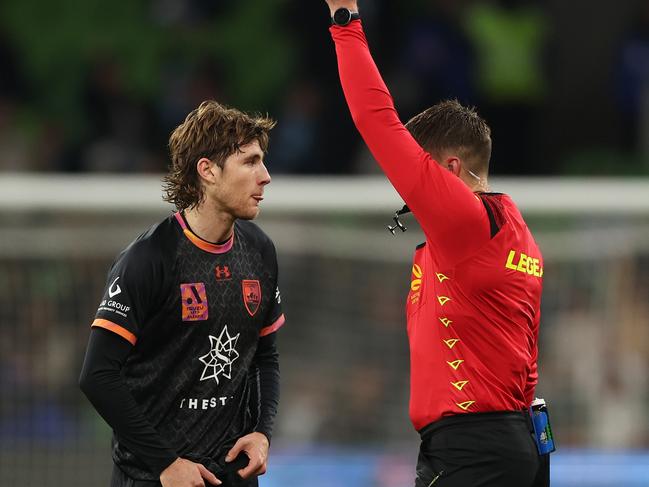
(194,312)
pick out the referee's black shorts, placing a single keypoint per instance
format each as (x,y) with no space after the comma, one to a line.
(232,479)
(481,450)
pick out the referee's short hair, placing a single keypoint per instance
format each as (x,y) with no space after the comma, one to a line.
(449,125)
(214,131)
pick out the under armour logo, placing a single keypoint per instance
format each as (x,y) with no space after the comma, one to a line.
(222,273)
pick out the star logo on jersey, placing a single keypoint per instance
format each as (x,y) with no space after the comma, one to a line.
(218,361)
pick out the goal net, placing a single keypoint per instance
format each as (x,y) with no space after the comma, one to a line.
(344,278)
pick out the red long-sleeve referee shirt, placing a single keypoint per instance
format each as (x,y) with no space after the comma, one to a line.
(473,307)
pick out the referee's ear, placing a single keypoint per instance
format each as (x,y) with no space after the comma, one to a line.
(453,164)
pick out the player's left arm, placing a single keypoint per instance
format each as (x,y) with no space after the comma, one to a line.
(266,362)
(256,444)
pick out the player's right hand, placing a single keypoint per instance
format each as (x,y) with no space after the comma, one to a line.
(185,473)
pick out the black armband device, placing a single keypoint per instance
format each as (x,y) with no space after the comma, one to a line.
(344,16)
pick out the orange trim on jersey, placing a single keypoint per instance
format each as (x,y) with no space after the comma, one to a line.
(115,328)
(274,327)
(204,244)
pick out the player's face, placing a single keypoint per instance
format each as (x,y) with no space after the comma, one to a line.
(241,184)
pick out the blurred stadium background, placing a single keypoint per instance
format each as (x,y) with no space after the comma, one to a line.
(89,91)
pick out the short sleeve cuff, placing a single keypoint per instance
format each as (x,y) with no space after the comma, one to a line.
(276,325)
(115,328)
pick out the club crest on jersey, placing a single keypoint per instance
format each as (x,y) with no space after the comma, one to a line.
(222,273)
(251,295)
(194,301)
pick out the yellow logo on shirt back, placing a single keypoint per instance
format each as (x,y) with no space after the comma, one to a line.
(524,263)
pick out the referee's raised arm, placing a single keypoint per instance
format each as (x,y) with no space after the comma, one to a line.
(370,102)
(442,202)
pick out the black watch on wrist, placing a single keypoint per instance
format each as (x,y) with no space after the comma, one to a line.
(344,16)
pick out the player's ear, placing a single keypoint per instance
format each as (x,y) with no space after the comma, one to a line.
(206,169)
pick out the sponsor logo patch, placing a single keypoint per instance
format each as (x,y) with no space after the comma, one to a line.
(415,284)
(194,301)
(251,295)
(114,289)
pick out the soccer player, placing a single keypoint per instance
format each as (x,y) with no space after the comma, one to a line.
(182,360)
(473,307)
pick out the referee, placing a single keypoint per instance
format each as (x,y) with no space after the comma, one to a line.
(473,308)
(181,360)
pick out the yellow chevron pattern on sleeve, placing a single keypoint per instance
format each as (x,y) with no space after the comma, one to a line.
(450,343)
(459,385)
(455,364)
(465,405)
(446,322)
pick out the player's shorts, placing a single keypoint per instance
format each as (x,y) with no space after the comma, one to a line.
(481,450)
(120,479)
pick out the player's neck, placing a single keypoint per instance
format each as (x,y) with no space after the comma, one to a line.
(208,224)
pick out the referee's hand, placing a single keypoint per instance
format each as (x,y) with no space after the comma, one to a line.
(185,473)
(255,446)
(336,4)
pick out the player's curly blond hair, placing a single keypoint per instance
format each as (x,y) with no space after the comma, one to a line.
(213,131)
